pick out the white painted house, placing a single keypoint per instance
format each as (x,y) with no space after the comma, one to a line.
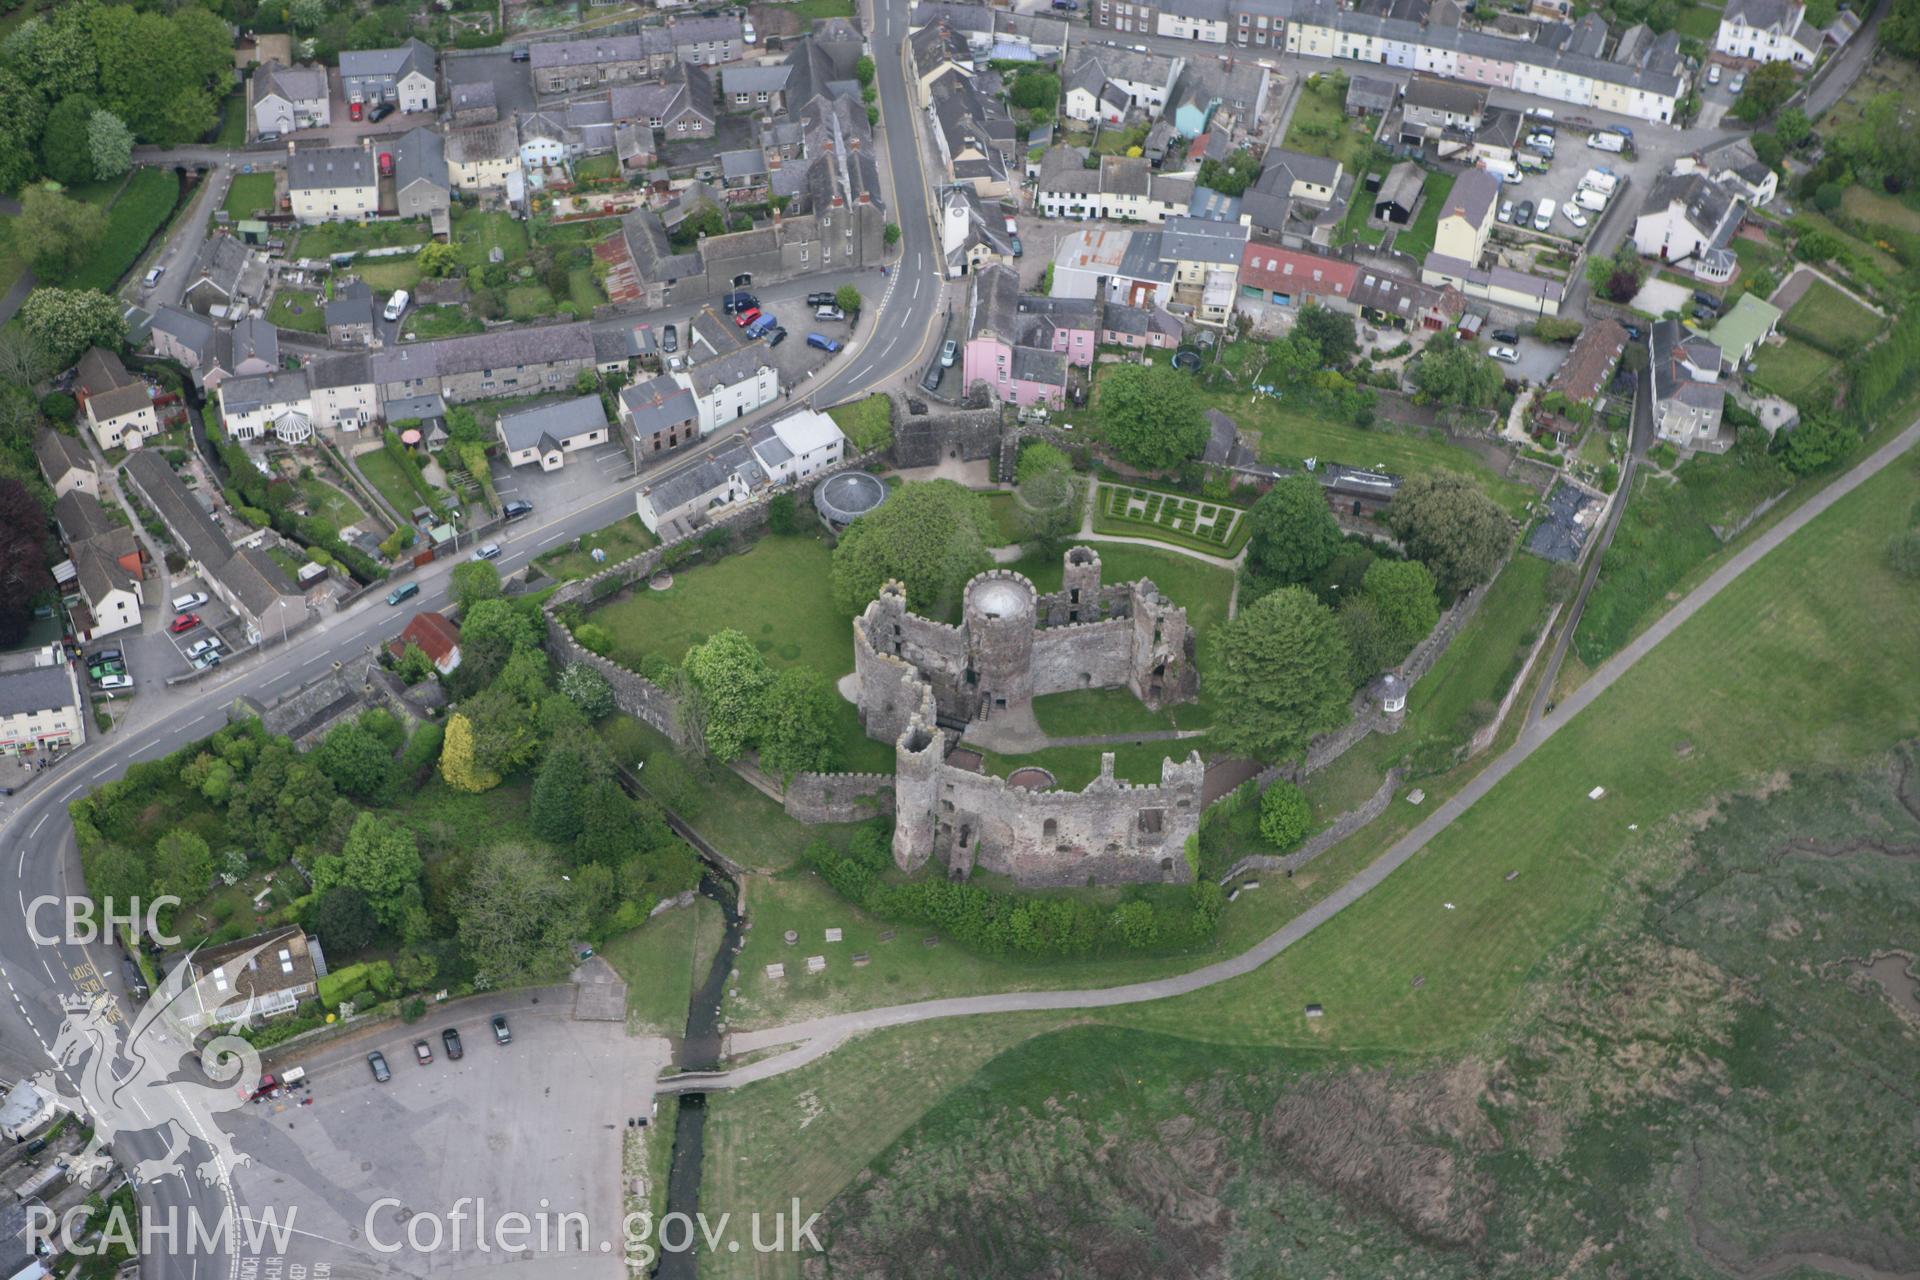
(730,387)
(1767,31)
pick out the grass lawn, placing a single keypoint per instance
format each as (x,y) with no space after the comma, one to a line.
(1828,319)
(867,423)
(1796,372)
(440,322)
(1793,666)
(233,122)
(476,234)
(1212,528)
(1087,712)
(584,292)
(814,10)
(1699,22)
(331,504)
(1466,684)
(1006,516)
(298,309)
(593,168)
(530,302)
(1877,207)
(349,237)
(384,275)
(393,485)
(658,963)
(141,209)
(1417,239)
(620,540)
(1288,435)
(250,193)
(1321,126)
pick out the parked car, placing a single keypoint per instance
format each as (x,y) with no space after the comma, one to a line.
(450,1041)
(829,312)
(271,135)
(1524,214)
(191,600)
(1018,251)
(1633,332)
(422,1052)
(738,301)
(670,340)
(1573,215)
(490,551)
(776,336)
(822,342)
(1506,211)
(949,352)
(152,277)
(1703,315)
(1738,82)
(405,591)
(107,655)
(397,305)
(521,55)
(206,660)
(380,112)
(764,325)
(747,317)
(105,669)
(1706,300)
(516,510)
(185,622)
(1507,336)
(118,680)
(1713,73)
(501,1035)
(1543,216)
(1505,355)
(819,299)
(199,647)
(378,1062)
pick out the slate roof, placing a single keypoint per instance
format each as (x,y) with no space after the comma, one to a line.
(540,344)
(304,83)
(322,167)
(656,404)
(1437,94)
(549,54)
(481,144)
(1094,65)
(474,95)
(60,453)
(420,156)
(1706,202)
(1296,166)
(755,78)
(1184,239)
(552,423)
(35,689)
(1401,186)
(184,517)
(725,371)
(239,395)
(222,261)
(349,369)
(351,305)
(81,517)
(1030,364)
(259,583)
(192,331)
(1473,196)
(119,401)
(1367,93)
(388,64)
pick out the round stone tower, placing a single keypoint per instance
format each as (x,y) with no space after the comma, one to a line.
(999,624)
(1080,579)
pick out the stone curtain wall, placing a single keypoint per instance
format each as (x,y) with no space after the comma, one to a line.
(1011,441)
(922,440)
(838,797)
(1342,827)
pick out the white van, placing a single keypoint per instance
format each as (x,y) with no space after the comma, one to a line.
(1543,216)
(1504,170)
(1589,199)
(397,304)
(191,600)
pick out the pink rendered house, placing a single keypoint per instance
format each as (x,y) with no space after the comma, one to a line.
(1019,347)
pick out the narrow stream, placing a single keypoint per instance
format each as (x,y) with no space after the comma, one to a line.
(699,1051)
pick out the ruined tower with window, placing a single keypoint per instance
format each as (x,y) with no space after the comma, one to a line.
(923,682)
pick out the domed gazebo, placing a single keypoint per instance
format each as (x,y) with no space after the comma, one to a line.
(1389,693)
(848,496)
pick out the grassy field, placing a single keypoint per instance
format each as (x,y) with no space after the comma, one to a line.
(621,540)
(1287,435)
(1212,528)
(233,122)
(867,423)
(331,504)
(1466,683)
(1828,319)
(1417,239)
(392,483)
(658,962)
(1875,207)
(251,193)
(1699,22)
(142,208)
(1321,127)
(476,234)
(1790,667)
(384,275)
(1796,372)
(298,309)
(349,237)
(440,322)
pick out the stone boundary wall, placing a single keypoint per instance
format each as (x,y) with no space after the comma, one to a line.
(1011,440)
(922,440)
(1341,827)
(1488,732)
(838,797)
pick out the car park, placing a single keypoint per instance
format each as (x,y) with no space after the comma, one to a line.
(192,600)
(377,1063)
(450,1041)
(1572,214)
(422,1052)
(199,647)
(185,622)
(107,655)
(97,674)
(829,312)
(821,342)
(516,510)
(1506,211)
(487,551)
(501,1033)
(1506,355)
(1523,215)
(206,660)
(405,591)
(116,682)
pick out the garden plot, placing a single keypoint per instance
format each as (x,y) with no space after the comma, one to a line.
(1214,527)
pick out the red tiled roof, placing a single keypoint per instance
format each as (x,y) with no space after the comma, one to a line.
(436,637)
(1272,268)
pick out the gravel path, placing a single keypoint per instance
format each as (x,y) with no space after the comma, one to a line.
(817,1037)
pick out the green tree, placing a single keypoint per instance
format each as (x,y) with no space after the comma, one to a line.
(1817,443)
(182,865)
(1330,331)
(438,258)
(357,762)
(847,298)
(1285,815)
(1902,550)
(783,514)
(1035,88)
(54,52)
(1279,676)
(1900,29)
(305,15)
(457,763)
(796,731)
(57,234)
(1037,458)
(474,581)
(65,149)
(381,859)
(68,321)
(1769,149)
(587,689)
(554,810)
(1150,416)
(1232,176)
(890,234)
(109,144)
(1453,528)
(1453,373)
(517,917)
(413,665)
(22,113)
(1403,593)
(930,535)
(343,920)
(1292,533)
(732,681)
(863,70)
(1792,126)
(491,632)
(1768,85)
(1046,501)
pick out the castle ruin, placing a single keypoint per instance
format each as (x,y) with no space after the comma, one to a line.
(921,683)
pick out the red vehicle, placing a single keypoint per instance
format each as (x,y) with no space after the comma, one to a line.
(747,317)
(354,109)
(386,164)
(185,622)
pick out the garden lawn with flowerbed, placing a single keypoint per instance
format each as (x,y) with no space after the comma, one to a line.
(1212,527)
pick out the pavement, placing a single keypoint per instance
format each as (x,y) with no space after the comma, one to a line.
(818,1037)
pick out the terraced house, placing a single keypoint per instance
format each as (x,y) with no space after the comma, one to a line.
(520,362)
(406,77)
(333,184)
(567,66)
